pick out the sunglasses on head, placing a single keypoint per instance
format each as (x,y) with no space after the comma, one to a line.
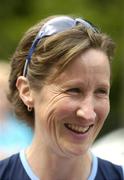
(54,26)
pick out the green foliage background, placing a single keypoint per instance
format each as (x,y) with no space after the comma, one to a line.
(16,16)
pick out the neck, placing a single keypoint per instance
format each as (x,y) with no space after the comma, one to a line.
(48,165)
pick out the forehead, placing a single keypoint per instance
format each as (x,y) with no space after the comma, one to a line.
(90,63)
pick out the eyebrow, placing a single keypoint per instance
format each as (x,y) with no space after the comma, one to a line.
(80,83)
(72,82)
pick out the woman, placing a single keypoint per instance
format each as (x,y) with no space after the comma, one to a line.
(60,85)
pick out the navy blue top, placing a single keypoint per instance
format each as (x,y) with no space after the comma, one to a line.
(16,167)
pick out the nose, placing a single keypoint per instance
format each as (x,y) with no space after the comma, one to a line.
(87,110)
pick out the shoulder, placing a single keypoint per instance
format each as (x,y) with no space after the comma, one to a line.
(7,165)
(109,170)
(10,161)
(11,168)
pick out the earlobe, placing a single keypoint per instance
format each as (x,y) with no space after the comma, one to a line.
(24,90)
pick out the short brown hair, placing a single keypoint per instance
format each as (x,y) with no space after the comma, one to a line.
(55,51)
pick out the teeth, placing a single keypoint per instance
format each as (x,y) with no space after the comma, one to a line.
(77,128)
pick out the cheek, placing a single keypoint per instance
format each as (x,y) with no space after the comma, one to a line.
(102,113)
(66,108)
(57,112)
(104,109)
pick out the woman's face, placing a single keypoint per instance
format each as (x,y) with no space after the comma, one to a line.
(70,112)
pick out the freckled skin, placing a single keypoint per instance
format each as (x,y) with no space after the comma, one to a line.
(80,96)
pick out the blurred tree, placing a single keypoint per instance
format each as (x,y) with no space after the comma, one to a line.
(15,8)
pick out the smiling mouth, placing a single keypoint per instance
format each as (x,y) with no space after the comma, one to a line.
(77,129)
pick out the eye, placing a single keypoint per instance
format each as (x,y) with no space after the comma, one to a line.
(73,91)
(102,91)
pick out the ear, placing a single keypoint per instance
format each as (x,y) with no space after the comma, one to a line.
(25,92)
